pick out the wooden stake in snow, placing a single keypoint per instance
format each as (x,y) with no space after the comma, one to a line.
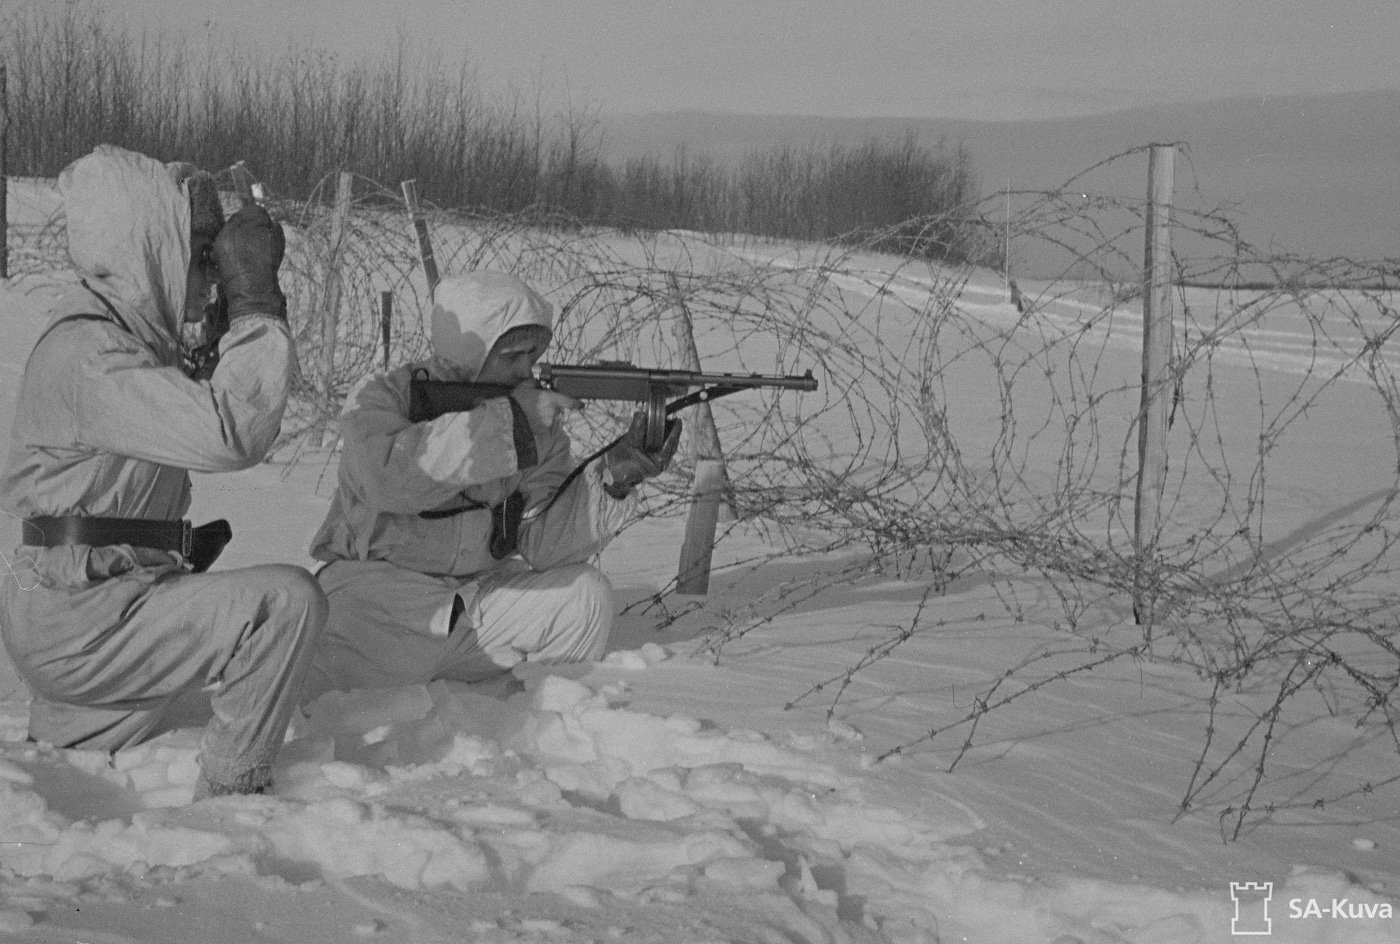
(4,176)
(243,183)
(698,547)
(704,437)
(386,319)
(420,229)
(1156,383)
(708,500)
(330,309)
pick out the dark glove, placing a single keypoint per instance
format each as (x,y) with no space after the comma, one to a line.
(628,463)
(248,252)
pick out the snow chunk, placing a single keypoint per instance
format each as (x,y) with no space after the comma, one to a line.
(12,774)
(746,872)
(641,798)
(556,693)
(345,840)
(637,659)
(626,863)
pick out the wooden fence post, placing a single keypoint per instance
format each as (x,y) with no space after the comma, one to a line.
(697,548)
(420,229)
(704,437)
(709,499)
(1156,383)
(4,174)
(330,310)
(243,183)
(386,319)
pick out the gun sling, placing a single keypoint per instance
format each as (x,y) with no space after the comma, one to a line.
(200,546)
(505,522)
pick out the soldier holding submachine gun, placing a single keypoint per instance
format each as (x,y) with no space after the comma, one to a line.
(460,538)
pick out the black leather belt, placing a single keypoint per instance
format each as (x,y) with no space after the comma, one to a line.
(58,530)
(200,546)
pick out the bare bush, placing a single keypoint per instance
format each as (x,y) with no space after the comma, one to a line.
(79,78)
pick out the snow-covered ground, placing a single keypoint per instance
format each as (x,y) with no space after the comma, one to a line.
(664,796)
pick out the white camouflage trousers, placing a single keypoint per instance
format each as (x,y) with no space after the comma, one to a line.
(104,660)
(390,626)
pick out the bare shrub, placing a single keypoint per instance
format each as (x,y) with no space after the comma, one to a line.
(79,77)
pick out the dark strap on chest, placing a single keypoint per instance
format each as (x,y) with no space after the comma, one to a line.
(112,316)
(505,522)
(67,318)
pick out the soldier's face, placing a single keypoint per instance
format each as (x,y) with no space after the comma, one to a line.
(512,359)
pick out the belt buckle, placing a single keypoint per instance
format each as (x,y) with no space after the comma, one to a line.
(186,539)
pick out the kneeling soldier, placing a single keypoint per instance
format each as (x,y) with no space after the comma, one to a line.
(106,611)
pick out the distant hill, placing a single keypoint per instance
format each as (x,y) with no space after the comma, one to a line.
(1313,175)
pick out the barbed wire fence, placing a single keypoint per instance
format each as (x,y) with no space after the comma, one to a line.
(1271,348)
(966,428)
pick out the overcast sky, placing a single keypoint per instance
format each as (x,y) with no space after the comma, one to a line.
(993,59)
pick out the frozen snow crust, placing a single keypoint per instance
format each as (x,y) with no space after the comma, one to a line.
(560,790)
(557,788)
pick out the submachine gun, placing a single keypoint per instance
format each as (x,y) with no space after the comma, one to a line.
(653,388)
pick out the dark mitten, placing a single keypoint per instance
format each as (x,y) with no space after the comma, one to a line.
(248,252)
(628,463)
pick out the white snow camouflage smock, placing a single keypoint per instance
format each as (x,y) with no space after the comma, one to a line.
(97,431)
(108,424)
(391,470)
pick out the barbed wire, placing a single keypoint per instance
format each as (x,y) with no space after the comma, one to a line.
(975,424)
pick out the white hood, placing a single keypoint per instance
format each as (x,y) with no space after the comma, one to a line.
(472,311)
(128,236)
